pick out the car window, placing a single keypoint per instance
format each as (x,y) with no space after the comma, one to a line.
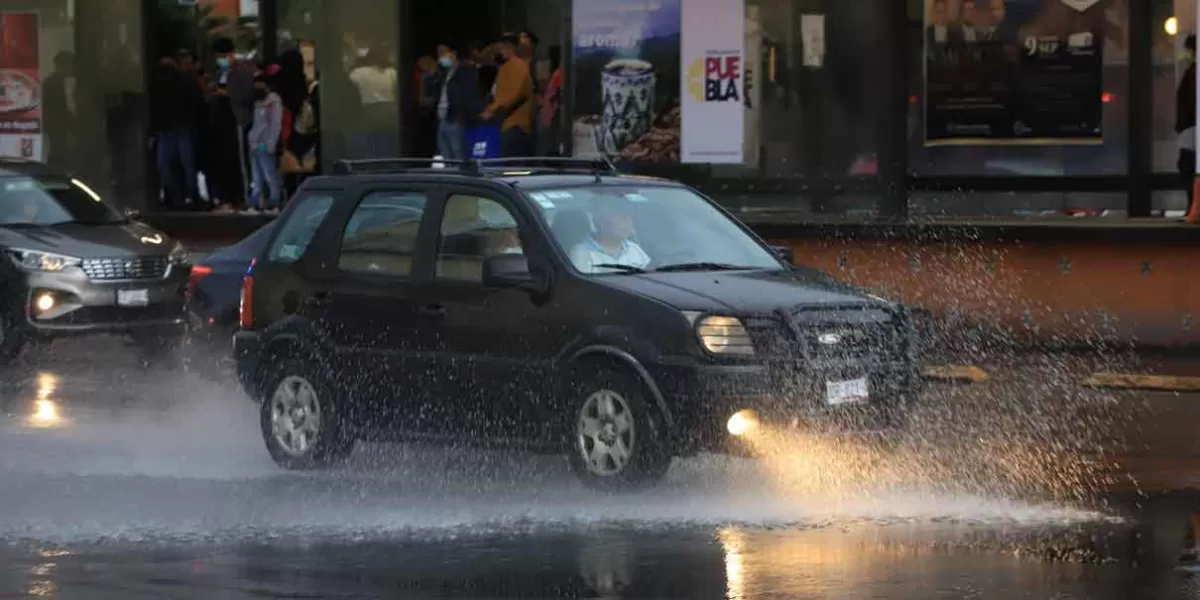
(473,229)
(381,235)
(302,223)
(612,229)
(52,201)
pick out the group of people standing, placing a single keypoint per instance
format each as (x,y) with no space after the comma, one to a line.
(249,129)
(497,85)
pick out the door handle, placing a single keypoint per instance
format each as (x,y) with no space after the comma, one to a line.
(433,311)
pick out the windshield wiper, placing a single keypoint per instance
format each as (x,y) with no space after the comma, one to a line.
(621,268)
(702,266)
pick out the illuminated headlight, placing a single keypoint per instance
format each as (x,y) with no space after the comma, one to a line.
(33,260)
(179,254)
(723,335)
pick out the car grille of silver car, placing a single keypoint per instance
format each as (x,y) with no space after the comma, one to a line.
(112,269)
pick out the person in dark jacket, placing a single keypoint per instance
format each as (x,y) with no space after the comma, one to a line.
(177,103)
(455,92)
(1185,120)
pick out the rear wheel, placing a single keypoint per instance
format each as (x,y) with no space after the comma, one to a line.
(302,424)
(615,443)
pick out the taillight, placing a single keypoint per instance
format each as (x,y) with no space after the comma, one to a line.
(246,303)
(198,272)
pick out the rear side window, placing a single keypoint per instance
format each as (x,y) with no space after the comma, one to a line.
(381,235)
(297,233)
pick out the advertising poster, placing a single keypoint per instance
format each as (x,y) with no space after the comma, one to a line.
(20,86)
(1014,71)
(627,79)
(713,67)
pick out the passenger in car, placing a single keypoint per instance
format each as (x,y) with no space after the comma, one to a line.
(611,247)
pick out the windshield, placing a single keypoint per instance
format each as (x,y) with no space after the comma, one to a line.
(614,229)
(51,201)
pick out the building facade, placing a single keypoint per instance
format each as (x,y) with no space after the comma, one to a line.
(871,108)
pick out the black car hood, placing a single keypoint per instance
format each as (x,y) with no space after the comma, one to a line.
(89,241)
(742,292)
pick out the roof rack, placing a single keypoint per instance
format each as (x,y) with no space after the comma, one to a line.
(552,164)
(392,165)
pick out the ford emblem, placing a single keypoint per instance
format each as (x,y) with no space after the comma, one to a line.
(829,339)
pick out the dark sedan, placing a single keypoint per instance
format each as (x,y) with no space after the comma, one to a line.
(214,291)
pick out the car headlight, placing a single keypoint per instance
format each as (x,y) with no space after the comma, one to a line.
(722,335)
(36,260)
(179,254)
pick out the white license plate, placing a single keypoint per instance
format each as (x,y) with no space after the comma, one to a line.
(133,297)
(853,391)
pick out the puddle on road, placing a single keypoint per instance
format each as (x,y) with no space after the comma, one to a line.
(184,457)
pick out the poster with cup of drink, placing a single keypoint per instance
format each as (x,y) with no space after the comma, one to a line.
(627,80)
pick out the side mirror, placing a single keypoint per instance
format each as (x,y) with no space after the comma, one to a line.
(785,253)
(509,271)
(132,214)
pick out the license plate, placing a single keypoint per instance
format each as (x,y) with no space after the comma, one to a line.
(853,391)
(133,297)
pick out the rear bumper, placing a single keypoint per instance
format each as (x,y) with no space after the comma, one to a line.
(82,306)
(702,398)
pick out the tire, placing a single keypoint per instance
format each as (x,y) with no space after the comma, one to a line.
(615,442)
(12,339)
(316,435)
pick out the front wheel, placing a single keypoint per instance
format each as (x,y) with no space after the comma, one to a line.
(300,420)
(615,443)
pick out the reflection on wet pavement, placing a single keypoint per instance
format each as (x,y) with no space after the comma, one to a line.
(122,481)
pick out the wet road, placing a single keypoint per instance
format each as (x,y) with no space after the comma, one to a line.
(127,482)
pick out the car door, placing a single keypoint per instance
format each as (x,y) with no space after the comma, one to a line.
(500,342)
(369,307)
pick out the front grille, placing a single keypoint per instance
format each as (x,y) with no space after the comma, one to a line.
(829,334)
(138,267)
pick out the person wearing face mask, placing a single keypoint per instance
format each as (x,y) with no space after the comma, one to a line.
(456,94)
(233,114)
(264,139)
(1185,119)
(512,101)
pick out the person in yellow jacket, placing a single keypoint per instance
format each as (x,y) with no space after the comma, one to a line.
(512,100)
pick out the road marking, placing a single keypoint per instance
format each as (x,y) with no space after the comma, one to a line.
(1137,381)
(957,373)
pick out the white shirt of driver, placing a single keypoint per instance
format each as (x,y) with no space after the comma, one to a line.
(587,255)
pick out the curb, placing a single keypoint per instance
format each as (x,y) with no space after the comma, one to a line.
(1135,381)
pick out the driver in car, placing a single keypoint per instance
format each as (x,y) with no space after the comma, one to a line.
(611,248)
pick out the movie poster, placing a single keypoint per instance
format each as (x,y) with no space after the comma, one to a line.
(20,86)
(1014,71)
(626,78)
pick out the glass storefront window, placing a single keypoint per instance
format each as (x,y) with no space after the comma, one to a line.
(811,108)
(87,59)
(1173,22)
(352,54)
(953,133)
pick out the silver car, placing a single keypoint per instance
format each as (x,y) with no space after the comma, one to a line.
(72,264)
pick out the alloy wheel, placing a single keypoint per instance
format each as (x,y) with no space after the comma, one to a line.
(295,416)
(606,433)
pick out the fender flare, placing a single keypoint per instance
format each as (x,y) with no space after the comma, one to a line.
(629,360)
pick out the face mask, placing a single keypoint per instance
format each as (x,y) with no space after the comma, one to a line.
(446,62)
(224,62)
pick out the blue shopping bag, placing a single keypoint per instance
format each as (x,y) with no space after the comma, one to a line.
(483,141)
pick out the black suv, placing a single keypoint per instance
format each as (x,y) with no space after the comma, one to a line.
(552,304)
